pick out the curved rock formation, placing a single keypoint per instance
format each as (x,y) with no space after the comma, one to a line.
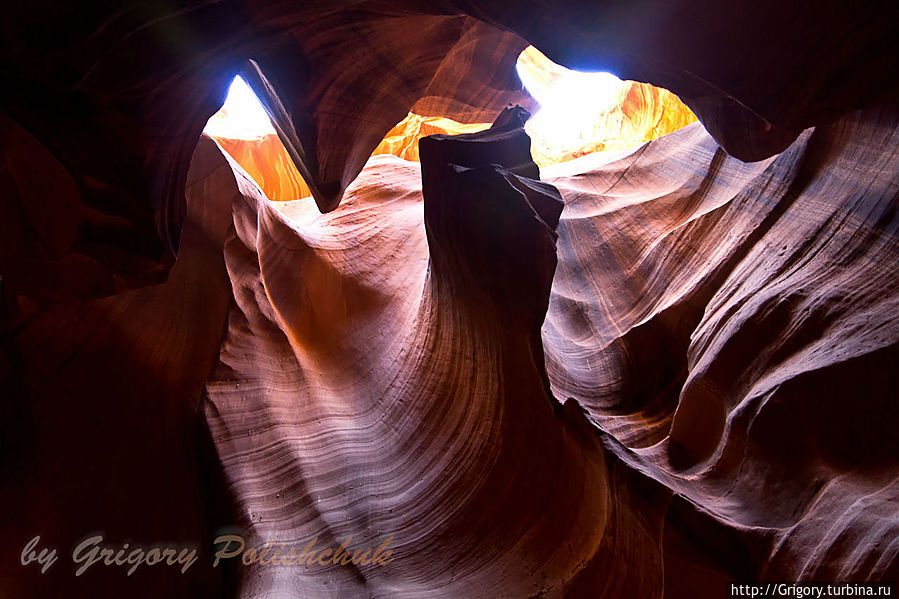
(269,164)
(726,365)
(121,97)
(637,112)
(652,373)
(314,454)
(311,454)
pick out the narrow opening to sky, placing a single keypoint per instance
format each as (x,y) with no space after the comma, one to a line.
(570,102)
(241,116)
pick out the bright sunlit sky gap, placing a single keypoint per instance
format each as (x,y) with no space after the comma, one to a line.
(570,106)
(242,115)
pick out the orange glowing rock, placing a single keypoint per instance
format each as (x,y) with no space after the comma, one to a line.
(267,161)
(580,113)
(402,140)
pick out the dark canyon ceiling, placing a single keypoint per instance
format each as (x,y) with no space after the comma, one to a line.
(648,372)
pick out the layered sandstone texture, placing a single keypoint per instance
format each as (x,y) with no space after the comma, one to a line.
(637,373)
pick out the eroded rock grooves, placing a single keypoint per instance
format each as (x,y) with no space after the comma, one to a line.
(648,374)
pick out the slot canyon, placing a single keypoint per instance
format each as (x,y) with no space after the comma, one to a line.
(430,334)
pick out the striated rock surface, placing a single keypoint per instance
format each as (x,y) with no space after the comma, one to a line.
(745,370)
(442,344)
(435,308)
(334,112)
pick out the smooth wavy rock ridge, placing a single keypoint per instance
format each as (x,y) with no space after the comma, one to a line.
(422,411)
(627,382)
